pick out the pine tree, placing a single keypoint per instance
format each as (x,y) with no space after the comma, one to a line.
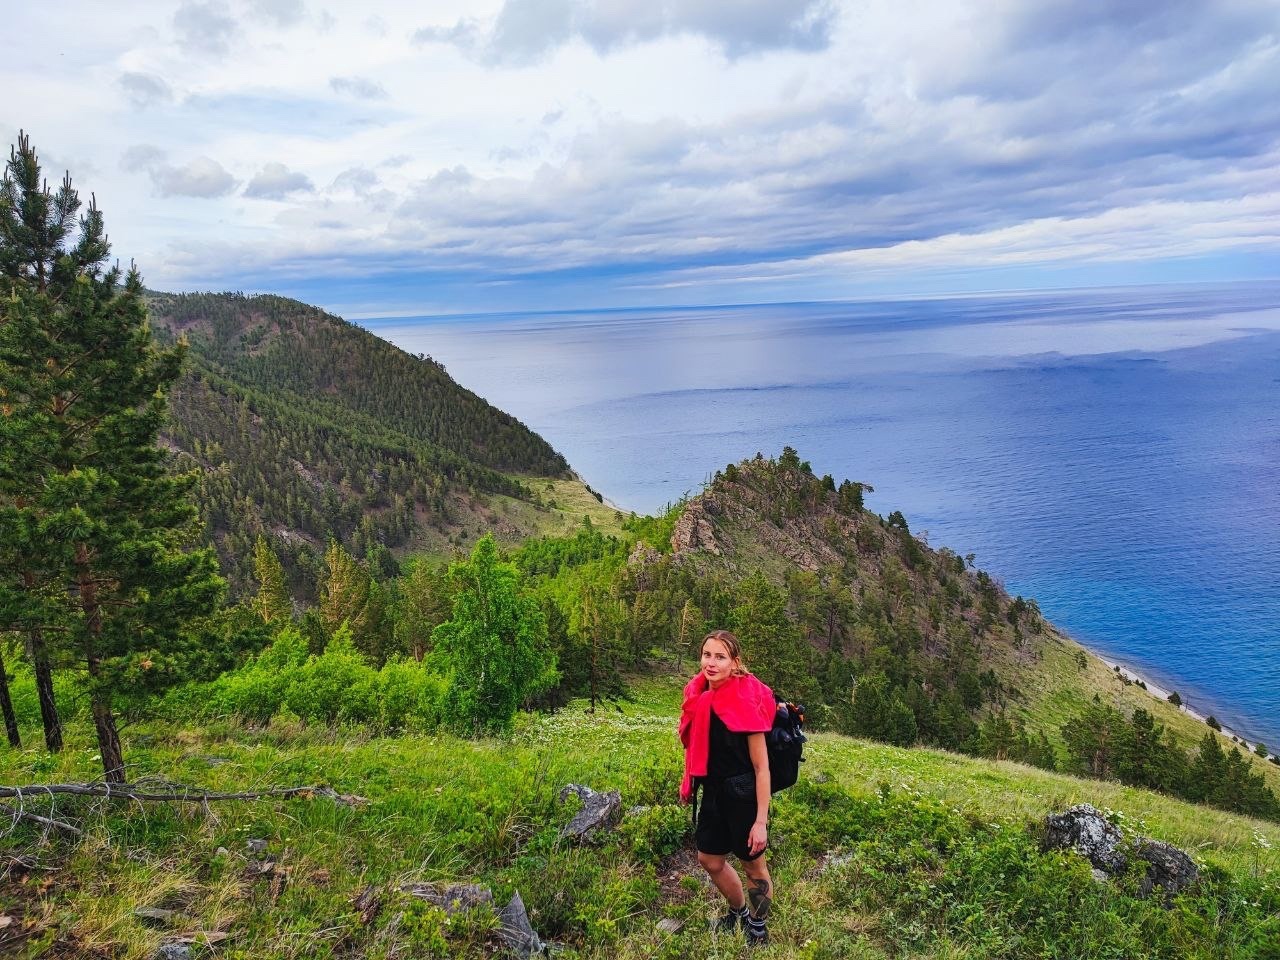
(97,530)
(424,606)
(774,647)
(601,626)
(272,601)
(344,596)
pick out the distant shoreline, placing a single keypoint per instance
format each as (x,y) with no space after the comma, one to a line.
(1160,693)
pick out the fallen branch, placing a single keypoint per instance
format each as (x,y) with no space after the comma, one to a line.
(18,814)
(125,791)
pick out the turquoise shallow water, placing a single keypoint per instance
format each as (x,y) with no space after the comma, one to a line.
(1112,453)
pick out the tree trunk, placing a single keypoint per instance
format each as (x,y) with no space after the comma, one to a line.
(44,689)
(39,654)
(6,705)
(104,721)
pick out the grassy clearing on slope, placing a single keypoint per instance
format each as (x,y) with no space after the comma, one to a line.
(937,864)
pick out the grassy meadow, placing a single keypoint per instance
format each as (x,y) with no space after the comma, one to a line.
(879,852)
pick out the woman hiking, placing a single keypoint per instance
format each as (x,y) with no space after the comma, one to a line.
(723,722)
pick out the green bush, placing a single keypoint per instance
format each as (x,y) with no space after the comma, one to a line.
(336,686)
(656,832)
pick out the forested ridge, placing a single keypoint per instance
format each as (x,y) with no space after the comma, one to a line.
(307,427)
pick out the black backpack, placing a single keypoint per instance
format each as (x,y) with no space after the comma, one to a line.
(785,742)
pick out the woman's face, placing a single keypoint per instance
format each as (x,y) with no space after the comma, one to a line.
(717,665)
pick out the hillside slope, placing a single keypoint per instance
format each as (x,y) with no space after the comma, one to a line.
(305,427)
(871,598)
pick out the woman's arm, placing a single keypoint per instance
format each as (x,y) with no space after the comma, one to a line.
(759,835)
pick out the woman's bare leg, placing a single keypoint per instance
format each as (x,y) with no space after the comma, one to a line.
(761,886)
(725,878)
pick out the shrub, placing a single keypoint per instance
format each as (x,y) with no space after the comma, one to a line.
(656,832)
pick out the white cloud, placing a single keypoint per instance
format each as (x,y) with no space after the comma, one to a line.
(275,181)
(281,13)
(525,31)
(202,177)
(361,88)
(145,89)
(205,26)
(670,141)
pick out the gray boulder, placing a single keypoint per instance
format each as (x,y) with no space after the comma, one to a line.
(1084,829)
(516,930)
(599,813)
(1167,867)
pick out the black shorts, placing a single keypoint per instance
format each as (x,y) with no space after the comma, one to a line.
(724,822)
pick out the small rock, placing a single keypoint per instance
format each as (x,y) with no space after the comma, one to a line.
(256,869)
(256,846)
(1167,867)
(516,930)
(158,914)
(222,852)
(670,925)
(174,951)
(600,811)
(452,899)
(637,810)
(215,761)
(1099,875)
(367,903)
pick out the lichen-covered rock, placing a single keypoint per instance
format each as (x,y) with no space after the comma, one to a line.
(1084,829)
(600,812)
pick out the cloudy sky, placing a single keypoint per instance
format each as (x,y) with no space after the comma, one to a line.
(438,156)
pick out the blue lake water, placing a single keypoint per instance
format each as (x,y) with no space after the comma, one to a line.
(1113,454)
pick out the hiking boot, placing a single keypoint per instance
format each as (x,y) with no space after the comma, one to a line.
(732,921)
(757,934)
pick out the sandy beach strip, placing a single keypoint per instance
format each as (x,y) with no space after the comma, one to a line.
(1160,693)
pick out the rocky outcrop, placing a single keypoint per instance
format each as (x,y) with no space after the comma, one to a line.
(695,530)
(642,555)
(1084,829)
(599,813)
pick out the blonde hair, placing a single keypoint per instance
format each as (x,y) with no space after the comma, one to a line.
(732,645)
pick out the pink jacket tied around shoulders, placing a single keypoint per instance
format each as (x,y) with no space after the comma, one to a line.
(743,704)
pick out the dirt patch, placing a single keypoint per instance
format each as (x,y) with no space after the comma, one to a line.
(672,870)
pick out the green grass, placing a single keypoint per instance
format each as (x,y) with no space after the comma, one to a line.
(936,858)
